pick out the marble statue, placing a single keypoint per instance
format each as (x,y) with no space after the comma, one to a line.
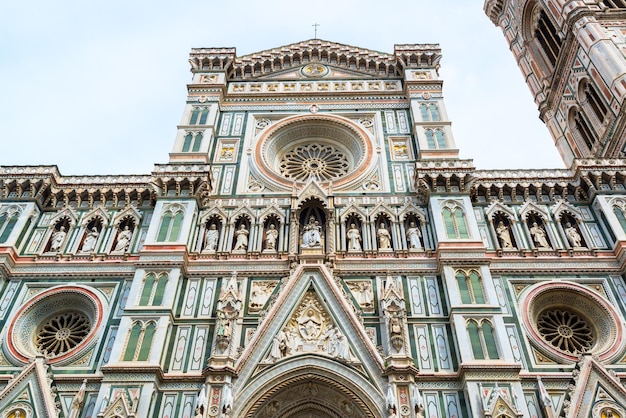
(123,240)
(89,244)
(279,345)
(413,235)
(504,235)
(211,236)
(539,236)
(384,237)
(241,236)
(312,234)
(57,239)
(573,236)
(354,238)
(337,344)
(271,237)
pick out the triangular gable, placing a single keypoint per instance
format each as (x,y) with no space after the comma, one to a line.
(363,373)
(499,207)
(129,212)
(31,389)
(532,207)
(593,381)
(312,190)
(314,286)
(564,206)
(96,213)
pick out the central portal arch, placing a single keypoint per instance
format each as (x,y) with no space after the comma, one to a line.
(310,387)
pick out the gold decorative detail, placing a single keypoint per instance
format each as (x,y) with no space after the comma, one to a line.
(315,70)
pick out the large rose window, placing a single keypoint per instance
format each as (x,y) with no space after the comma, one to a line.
(323,148)
(60,323)
(566,319)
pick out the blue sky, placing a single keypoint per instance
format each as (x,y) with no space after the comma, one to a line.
(99,87)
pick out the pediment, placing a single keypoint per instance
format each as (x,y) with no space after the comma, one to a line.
(496,207)
(592,381)
(31,391)
(310,316)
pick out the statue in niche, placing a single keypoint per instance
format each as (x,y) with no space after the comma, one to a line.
(504,235)
(241,236)
(573,236)
(384,237)
(211,236)
(396,334)
(123,240)
(89,244)
(363,292)
(223,325)
(280,344)
(271,238)
(354,238)
(539,236)
(312,234)
(58,237)
(413,236)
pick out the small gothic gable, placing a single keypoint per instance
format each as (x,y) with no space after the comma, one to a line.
(593,381)
(31,392)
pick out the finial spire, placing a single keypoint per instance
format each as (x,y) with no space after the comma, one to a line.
(315,25)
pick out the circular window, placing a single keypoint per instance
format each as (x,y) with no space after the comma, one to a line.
(59,323)
(321,162)
(565,330)
(323,148)
(567,319)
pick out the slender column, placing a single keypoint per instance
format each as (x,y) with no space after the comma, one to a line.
(331,232)
(293,239)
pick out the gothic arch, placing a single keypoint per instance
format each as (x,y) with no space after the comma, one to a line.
(310,375)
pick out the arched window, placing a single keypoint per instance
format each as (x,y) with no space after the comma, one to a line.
(595,102)
(170,224)
(475,340)
(192,142)
(434,113)
(194,116)
(614,4)
(8,219)
(454,221)
(547,36)
(430,139)
(619,214)
(581,129)
(204,115)
(187,142)
(470,287)
(153,290)
(197,142)
(441,141)
(424,111)
(139,341)
(482,340)
(435,139)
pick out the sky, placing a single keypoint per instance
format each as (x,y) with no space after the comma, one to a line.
(99,87)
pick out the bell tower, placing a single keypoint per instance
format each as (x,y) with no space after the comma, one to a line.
(573,57)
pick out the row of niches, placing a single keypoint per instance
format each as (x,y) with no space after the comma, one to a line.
(562,226)
(355,234)
(315,86)
(95,232)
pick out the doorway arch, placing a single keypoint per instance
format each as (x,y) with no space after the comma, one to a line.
(310,385)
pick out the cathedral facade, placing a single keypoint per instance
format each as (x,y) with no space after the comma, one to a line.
(316,248)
